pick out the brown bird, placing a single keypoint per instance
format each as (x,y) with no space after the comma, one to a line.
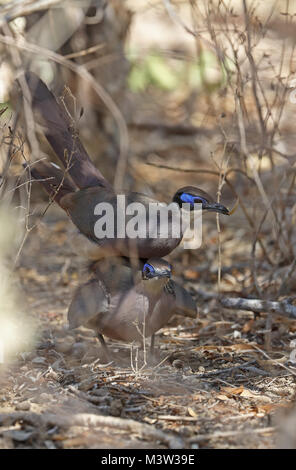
(126,304)
(94,189)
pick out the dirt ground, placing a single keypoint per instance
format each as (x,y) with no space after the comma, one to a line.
(224,379)
(210,386)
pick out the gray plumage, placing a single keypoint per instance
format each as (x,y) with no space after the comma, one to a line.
(87,187)
(122,305)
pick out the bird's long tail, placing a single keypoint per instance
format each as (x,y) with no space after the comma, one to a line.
(54,180)
(62,136)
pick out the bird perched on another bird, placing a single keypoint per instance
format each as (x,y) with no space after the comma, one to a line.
(86,187)
(127,304)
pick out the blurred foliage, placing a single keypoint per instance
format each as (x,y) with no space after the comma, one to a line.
(16,328)
(168,74)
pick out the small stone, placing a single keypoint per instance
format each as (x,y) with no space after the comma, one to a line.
(23,406)
(19,435)
(237,334)
(116,407)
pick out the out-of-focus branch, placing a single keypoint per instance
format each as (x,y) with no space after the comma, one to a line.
(231,186)
(16,9)
(94,421)
(80,70)
(284,308)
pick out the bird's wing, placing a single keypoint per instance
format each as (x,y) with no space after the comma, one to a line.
(184,303)
(80,206)
(89,300)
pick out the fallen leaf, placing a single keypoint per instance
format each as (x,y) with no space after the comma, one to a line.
(233,390)
(191,412)
(248,326)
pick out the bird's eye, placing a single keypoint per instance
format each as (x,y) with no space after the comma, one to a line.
(148,269)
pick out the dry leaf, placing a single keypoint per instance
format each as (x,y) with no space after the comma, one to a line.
(191,412)
(233,390)
(190,274)
(248,326)
(222,397)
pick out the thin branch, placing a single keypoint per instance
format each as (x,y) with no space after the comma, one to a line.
(284,307)
(22,44)
(93,421)
(217,173)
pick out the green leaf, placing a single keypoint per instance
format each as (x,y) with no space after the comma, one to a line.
(161,74)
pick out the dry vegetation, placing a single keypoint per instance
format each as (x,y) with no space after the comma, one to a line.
(174,93)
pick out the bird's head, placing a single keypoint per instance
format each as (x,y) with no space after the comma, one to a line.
(156,268)
(192,195)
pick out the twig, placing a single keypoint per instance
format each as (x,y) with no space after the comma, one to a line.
(189,419)
(223,434)
(202,170)
(274,361)
(231,186)
(22,44)
(85,396)
(228,370)
(93,421)
(284,308)
(196,34)
(89,50)
(16,9)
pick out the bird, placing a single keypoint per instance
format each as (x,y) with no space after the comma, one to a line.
(123,300)
(129,304)
(86,187)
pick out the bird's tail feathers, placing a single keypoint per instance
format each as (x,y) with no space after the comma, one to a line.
(62,135)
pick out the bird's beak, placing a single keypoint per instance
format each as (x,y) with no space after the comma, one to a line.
(216,207)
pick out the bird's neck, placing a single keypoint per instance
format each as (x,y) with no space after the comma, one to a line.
(153,287)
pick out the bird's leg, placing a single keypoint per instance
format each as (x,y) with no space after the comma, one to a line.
(104,347)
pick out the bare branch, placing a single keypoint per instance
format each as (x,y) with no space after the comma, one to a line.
(284,307)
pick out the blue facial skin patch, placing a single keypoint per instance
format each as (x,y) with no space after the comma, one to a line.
(185,197)
(148,267)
